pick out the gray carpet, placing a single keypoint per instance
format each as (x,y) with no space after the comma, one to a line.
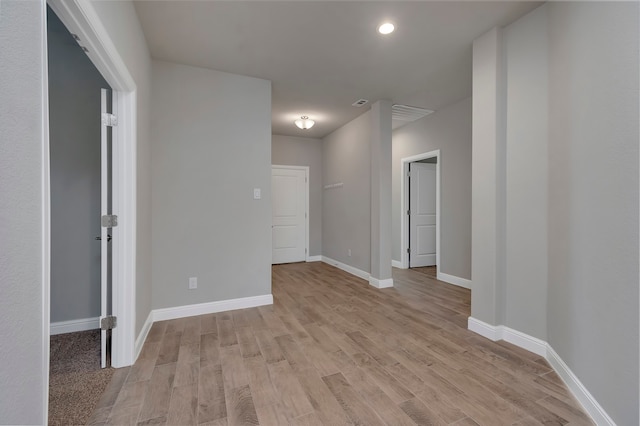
(76,380)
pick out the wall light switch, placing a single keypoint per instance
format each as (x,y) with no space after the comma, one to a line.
(193,283)
(256,193)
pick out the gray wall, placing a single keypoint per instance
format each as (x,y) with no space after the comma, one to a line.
(525,74)
(487,180)
(24,333)
(346,210)
(565,155)
(380,173)
(448,130)
(121,22)
(212,146)
(294,151)
(74,135)
(593,198)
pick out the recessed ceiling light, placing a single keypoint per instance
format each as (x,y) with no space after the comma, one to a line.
(386,28)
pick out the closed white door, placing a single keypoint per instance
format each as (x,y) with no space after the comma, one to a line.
(289,202)
(422,215)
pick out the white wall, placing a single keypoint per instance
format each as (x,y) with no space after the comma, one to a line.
(346,210)
(593,198)
(121,22)
(448,130)
(23,223)
(211,135)
(295,151)
(74,133)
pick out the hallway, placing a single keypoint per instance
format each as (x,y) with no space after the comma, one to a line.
(334,350)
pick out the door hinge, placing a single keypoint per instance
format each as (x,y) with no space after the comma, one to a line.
(408,212)
(305,179)
(109,221)
(108,323)
(305,251)
(408,250)
(305,215)
(409,173)
(109,119)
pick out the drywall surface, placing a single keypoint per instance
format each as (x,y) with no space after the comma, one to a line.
(295,151)
(525,61)
(346,209)
(380,167)
(23,156)
(487,196)
(74,135)
(593,198)
(211,135)
(121,22)
(448,130)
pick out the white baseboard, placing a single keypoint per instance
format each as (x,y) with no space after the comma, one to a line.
(542,348)
(143,335)
(397,264)
(530,343)
(482,328)
(197,309)
(452,279)
(211,307)
(314,259)
(584,397)
(501,332)
(347,268)
(386,283)
(72,326)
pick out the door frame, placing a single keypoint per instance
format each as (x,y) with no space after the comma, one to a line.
(81,18)
(306,203)
(404,205)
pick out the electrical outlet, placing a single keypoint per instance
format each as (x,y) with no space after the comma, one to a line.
(193,283)
(349,252)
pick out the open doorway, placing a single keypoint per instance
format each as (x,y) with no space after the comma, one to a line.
(80,179)
(420,200)
(82,20)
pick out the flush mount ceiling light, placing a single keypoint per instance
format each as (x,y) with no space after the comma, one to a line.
(386,28)
(304,122)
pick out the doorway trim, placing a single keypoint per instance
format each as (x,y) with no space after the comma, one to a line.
(81,19)
(306,204)
(404,205)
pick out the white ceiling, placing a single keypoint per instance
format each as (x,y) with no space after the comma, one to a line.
(323,56)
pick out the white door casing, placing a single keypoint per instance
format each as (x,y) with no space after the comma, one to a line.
(422,218)
(289,214)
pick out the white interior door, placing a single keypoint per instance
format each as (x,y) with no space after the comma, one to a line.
(289,202)
(422,217)
(106,208)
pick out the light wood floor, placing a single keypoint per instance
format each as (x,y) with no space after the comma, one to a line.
(333,350)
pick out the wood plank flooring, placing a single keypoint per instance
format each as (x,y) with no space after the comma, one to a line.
(333,350)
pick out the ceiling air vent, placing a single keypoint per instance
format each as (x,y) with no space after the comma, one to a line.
(408,113)
(359,102)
